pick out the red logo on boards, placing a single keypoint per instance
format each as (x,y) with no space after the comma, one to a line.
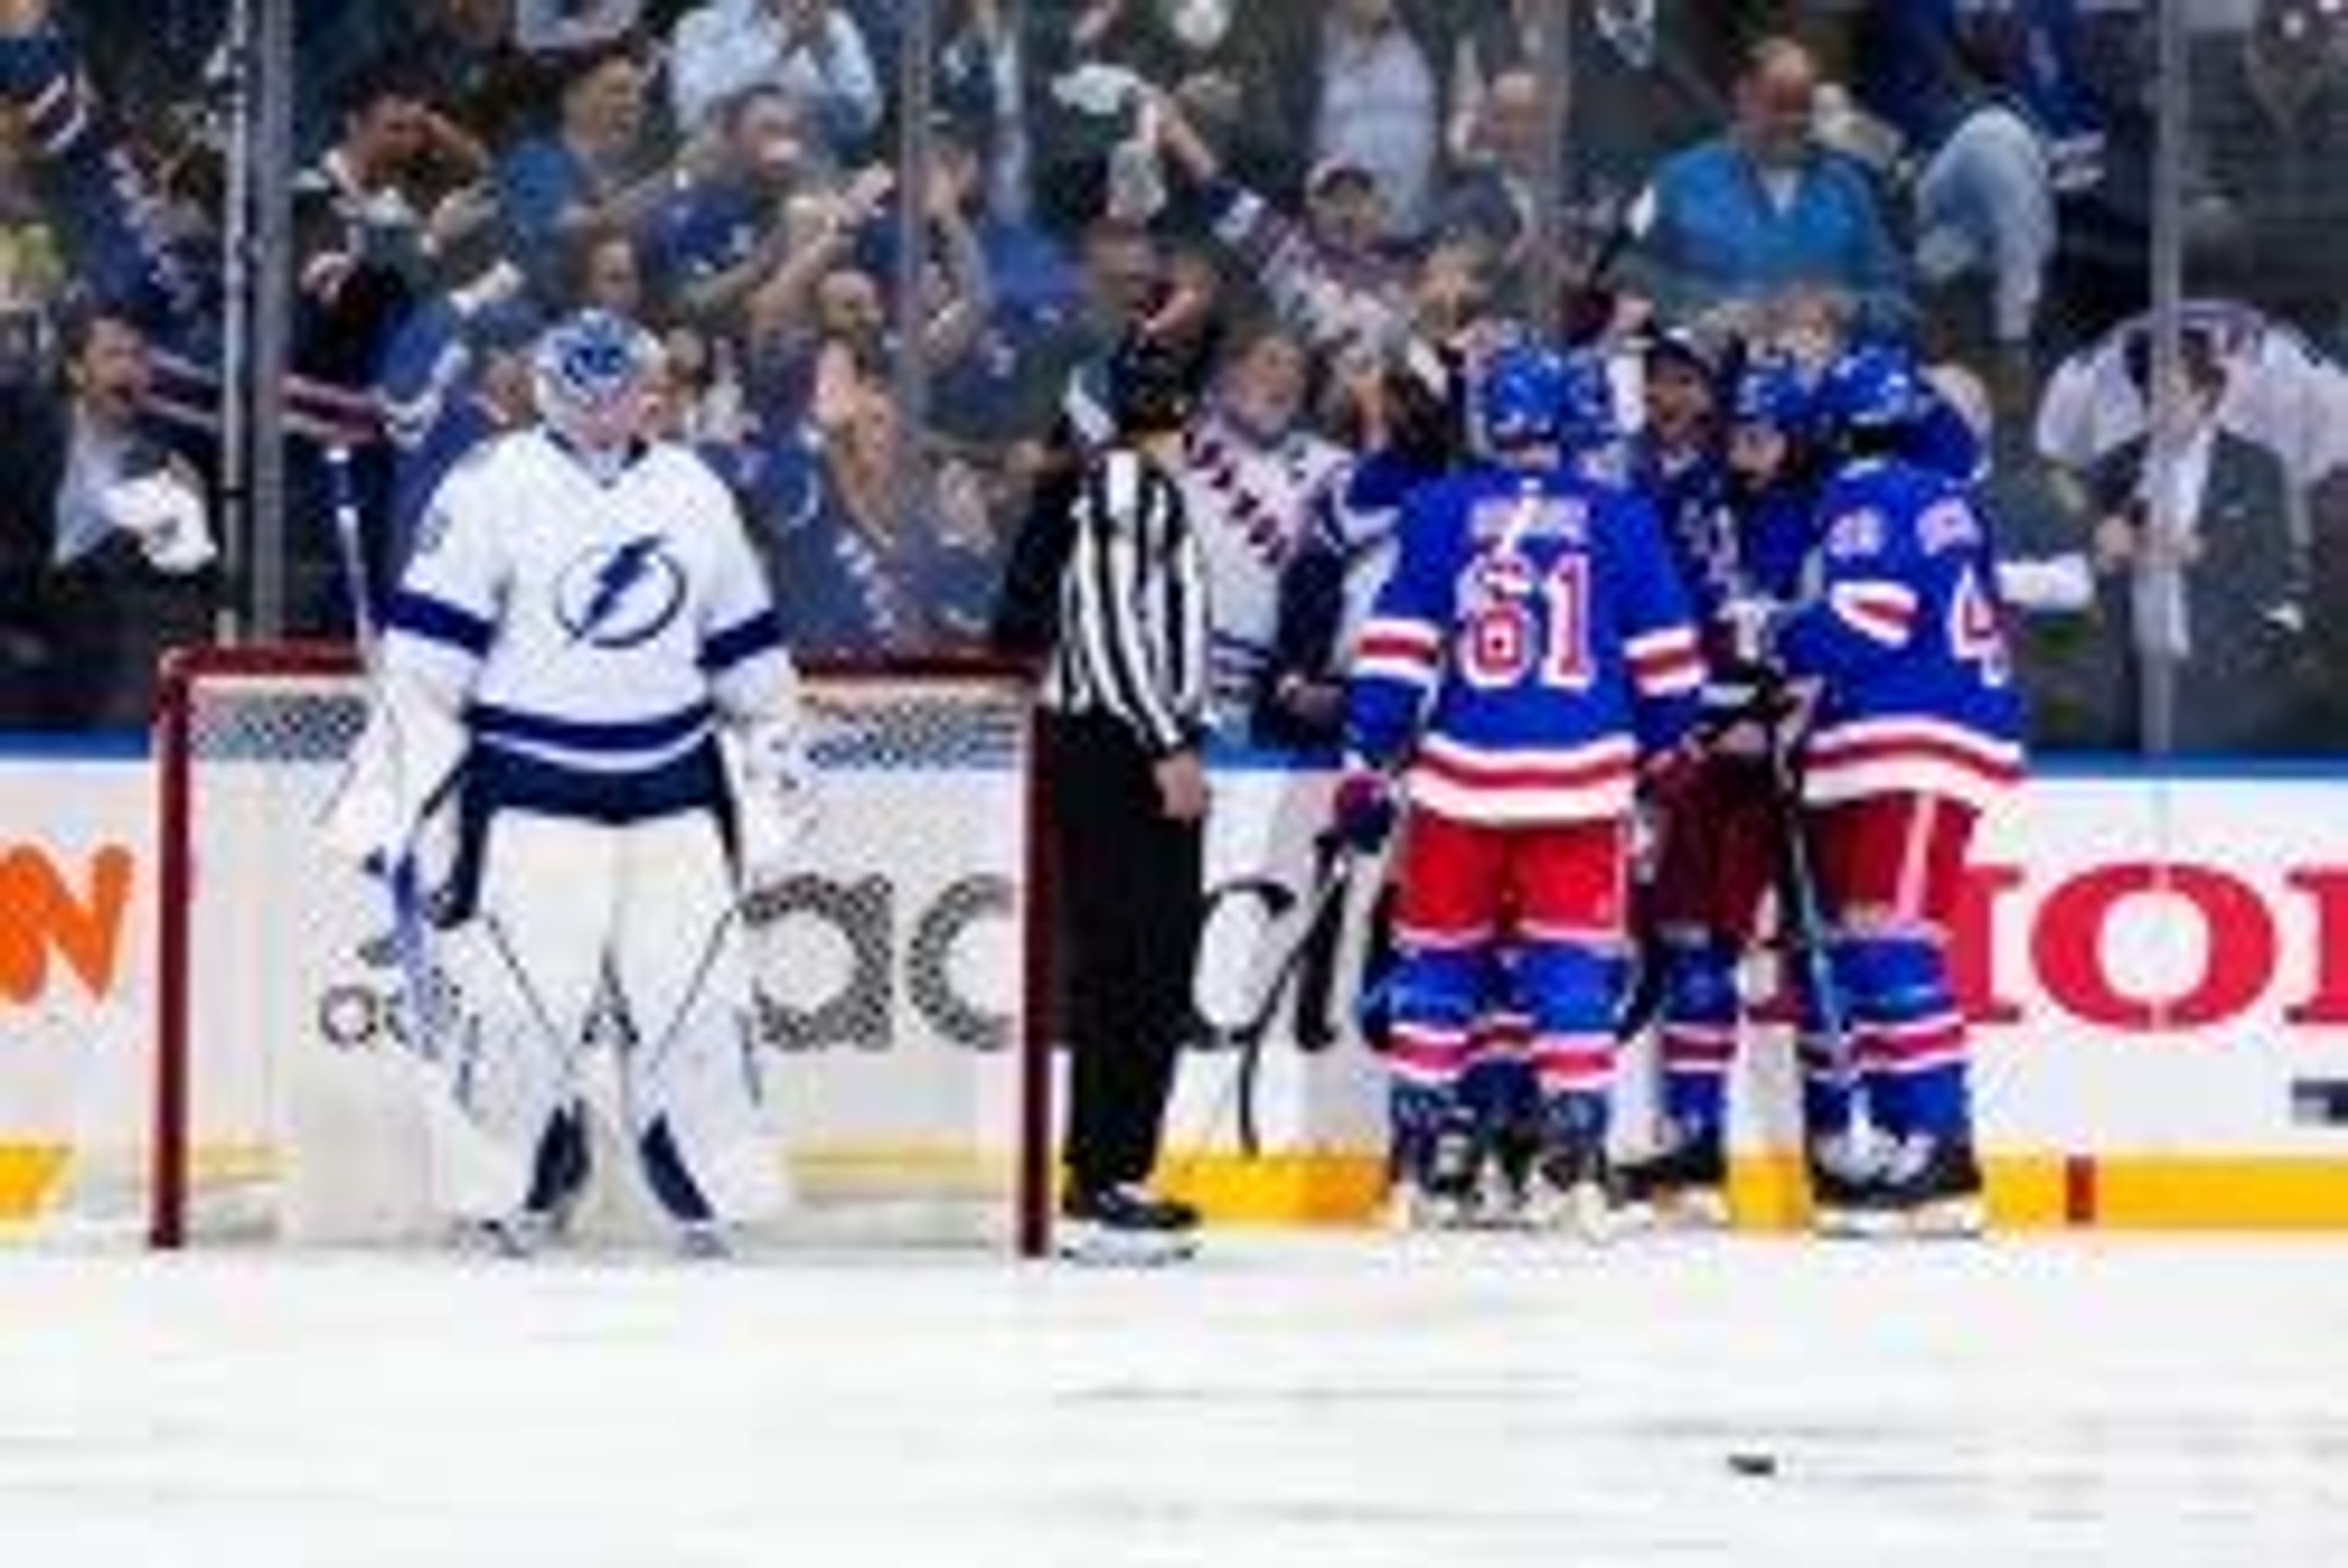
(2240,961)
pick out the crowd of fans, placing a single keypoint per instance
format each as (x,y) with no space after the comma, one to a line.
(888,356)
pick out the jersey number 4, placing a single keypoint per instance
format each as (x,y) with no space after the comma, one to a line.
(1523,623)
(1976,631)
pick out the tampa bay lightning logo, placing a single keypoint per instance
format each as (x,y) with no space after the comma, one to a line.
(619,596)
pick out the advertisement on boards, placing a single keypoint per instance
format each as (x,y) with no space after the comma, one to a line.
(2157,971)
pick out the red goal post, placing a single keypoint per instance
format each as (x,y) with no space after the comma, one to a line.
(904,978)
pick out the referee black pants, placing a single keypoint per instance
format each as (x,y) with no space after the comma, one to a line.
(1131,906)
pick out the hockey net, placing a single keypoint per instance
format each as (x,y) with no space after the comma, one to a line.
(903,1051)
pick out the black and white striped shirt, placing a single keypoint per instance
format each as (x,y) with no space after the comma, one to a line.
(1133,607)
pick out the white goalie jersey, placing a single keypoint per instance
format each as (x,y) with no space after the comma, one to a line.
(600,626)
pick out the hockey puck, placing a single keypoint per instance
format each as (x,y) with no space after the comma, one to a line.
(1752,1462)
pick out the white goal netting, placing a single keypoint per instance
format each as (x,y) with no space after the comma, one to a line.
(894,972)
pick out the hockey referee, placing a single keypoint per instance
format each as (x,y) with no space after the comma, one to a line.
(1126,699)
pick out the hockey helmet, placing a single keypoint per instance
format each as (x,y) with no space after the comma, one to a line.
(1685,346)
(1521,397)
(1873,388)
(594,375)
(1771,391)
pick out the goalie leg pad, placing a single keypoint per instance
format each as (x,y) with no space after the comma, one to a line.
(559,1171)
(696,1090)
(528,969)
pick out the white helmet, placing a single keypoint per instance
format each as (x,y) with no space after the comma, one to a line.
(594,375)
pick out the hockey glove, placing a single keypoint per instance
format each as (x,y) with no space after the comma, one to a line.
(1364,810)
(1770,718)
(403,763)
(775,801)
(1748,631)
(1738,714)
(1669,774)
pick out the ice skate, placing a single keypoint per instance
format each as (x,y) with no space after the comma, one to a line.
(1438,1183)
(1842,1176)
(1930,1189)
(1683,1186)
(1574,1189)
(516,1236)
(703,1240)
(559,1176)
(1125,1224)
(1504,1178)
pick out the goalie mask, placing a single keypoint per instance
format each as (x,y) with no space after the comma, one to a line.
(594,379)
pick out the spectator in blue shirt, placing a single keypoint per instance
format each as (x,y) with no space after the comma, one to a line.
(722,233)
(1765,209)
(587,170)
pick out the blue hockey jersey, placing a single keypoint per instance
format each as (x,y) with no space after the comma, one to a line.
(1531,640)
(1908,637)
(1687,490)
(1776,533)
(1327,588)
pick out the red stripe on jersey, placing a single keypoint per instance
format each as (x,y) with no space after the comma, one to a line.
(1502,776)
(1829,753)
(1399,638)
(1686,1046)
(1880,611)
(1927,1039)
(1573,1063)
(1670,669)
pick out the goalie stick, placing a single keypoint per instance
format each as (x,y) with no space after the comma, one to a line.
(411,929)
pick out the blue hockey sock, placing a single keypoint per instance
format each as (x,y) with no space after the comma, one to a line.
(1498,1090)
(1697,1039)
(1909,1033)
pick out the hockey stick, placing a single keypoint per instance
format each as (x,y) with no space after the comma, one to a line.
(411,930)
(1804,911)
(1332,877)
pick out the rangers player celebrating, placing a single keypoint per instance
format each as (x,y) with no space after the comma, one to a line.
(583,616)
(1916,731)
(1531,640)
(1724,827)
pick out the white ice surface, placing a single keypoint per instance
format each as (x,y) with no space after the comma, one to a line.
(1323,1401)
